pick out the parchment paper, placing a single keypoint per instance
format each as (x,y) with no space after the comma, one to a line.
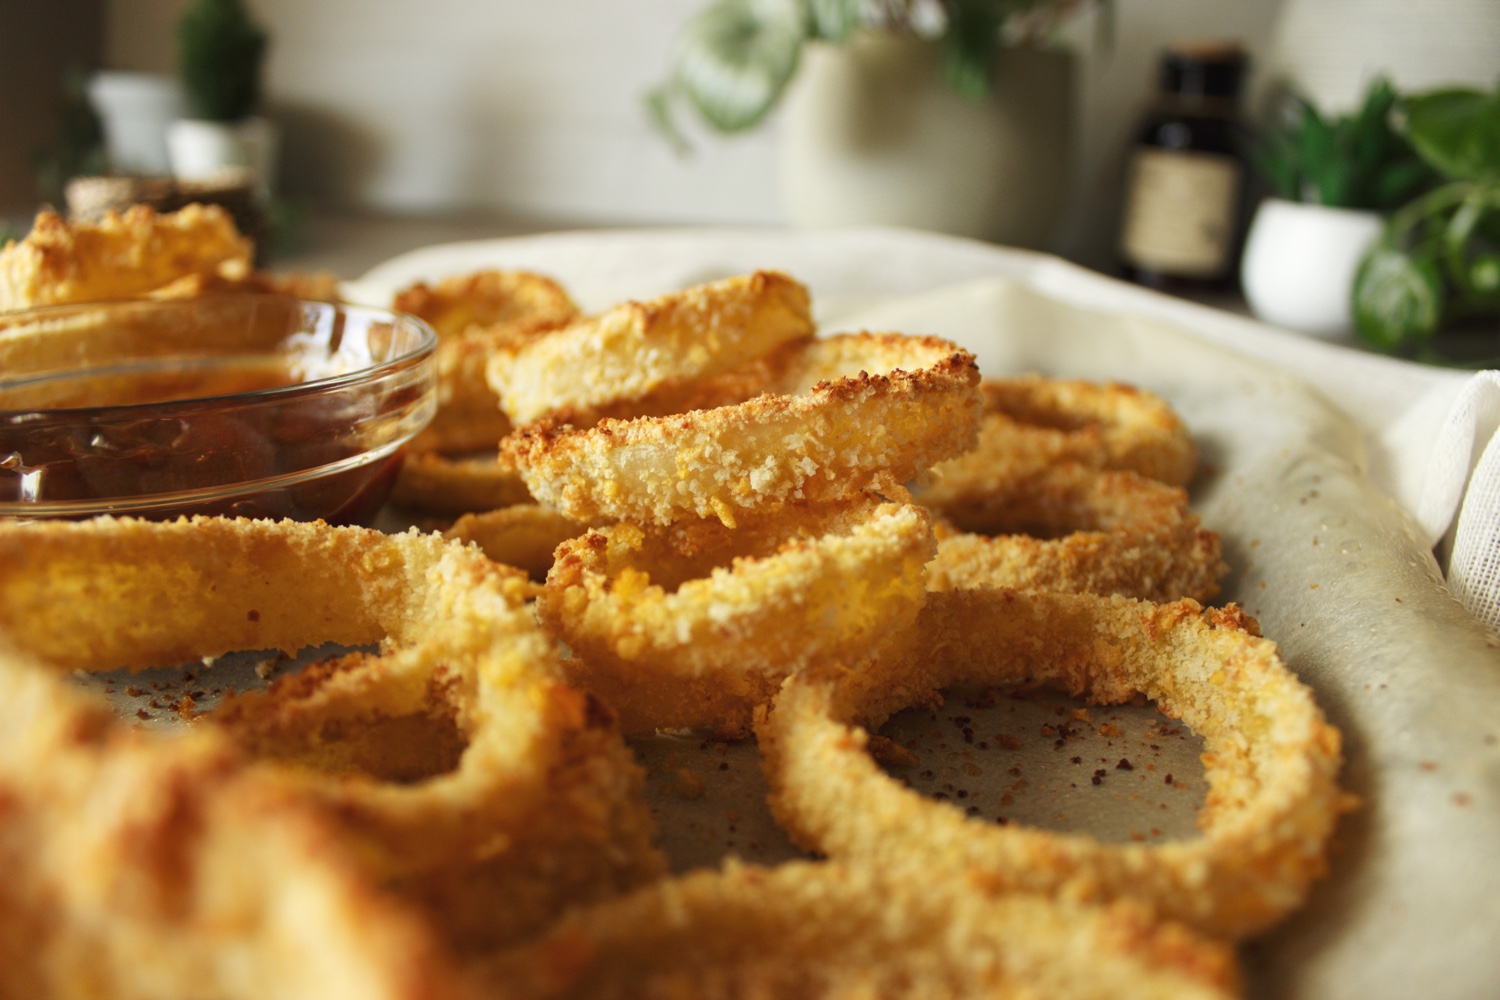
(1305,495)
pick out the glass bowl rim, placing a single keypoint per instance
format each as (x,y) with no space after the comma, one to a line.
(425,347)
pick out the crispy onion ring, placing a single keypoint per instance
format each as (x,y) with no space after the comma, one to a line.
(854,412)
(1076,530)
(1271,761)
(141,866)
(588,838)
(827,930)
(476,316)
(1032,423)
(439,484)
(462,655)
(694,624)
(123,255)
(524,535)
(485,298)
(637,348)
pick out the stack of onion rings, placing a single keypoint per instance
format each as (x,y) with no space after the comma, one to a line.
(1271,760)
(695,623)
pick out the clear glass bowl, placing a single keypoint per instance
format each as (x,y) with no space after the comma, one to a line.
(240,405)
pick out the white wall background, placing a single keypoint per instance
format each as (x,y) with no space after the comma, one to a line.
(533,107)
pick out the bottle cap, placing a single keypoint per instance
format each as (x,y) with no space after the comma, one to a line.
(1212,69)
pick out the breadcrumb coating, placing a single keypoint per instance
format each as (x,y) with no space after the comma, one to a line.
(1077,530)
(524,535)
(854,412)
(1031,424)
(638,348)
(142,867)
(810,930)
(695,624)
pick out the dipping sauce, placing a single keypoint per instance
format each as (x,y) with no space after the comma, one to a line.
(288,430)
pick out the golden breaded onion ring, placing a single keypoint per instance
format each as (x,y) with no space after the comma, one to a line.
(354,719)
(847,413)
(694,623)
(141,866)
(460,766)
(638,348)
(119,592)
(1079,531)
(476,316)
(440,484)
(524,535)
(1270,759)
(123,255)
(1032,423)
(809,929)
(484,299)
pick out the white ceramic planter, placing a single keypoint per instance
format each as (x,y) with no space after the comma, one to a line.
(200,149)
(1299,263)
(873,136)
(135,110)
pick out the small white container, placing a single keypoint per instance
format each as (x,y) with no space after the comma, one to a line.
(135,110)
(1299,264)
(201,149)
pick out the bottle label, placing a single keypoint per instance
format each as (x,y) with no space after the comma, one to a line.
(1180,212)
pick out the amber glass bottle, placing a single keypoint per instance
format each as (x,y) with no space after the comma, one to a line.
(1185,181)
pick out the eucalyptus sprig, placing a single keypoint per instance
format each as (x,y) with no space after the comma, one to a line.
(1438,257)
(735,58)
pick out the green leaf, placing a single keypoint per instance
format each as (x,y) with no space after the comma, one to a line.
(834,20)
(659,109)
(1398,182)
(737,56)
(1322,166)
(970,47)
(1457,131)
(1484,273)
(1398,297)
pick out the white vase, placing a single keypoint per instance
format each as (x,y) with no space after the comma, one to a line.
(1299,264)
(200,149)
(873,136)
(135,110)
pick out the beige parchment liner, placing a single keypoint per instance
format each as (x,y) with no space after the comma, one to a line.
(1334,569)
